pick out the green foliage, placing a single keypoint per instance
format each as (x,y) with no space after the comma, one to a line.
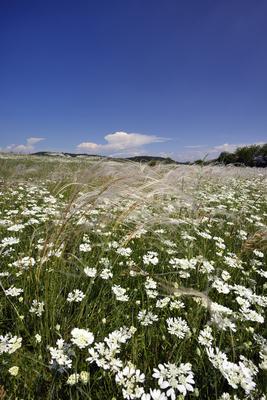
(254,155)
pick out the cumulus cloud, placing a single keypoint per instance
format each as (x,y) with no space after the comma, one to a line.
(121,142)
(24,148)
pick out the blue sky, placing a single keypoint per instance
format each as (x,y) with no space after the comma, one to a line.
(121,77)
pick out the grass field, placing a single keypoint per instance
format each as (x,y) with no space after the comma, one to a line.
(125,281)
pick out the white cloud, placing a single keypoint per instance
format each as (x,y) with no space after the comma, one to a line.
(121,142)
(31,141)
(222,147)
(198,146)
(24,148)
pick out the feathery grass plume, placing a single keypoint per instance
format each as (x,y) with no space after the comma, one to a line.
(257,241)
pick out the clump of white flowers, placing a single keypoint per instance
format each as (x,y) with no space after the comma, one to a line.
(37,308)
(72,379)
(183,266)
(9,241)
(178,327)
(82,337)
(205,337)
(9,344)
(162,303)
(82,377)
(16,228)
(106,274)
(24,263)
(124,251)
(240,374)
(85,247)
(130,379)
(120,293)
(151,288)
(13,291)
(258,253)
(147,317)
(75,296)
(104,354)
(221,286)
(175,379)
(151,258)
(60,354)
(91,272)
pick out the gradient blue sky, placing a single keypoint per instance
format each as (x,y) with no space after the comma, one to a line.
(193,72)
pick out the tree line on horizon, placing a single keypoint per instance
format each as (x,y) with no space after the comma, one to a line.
(250,156)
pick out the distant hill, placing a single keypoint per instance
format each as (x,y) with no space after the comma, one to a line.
(144,159)
(150,159)
(63,154)
(251,156)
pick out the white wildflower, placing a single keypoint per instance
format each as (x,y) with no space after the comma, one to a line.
(175,379)
(84,377)
(124,251)
(16,228)
(258,253)
(9,241)
(205,337)
(59,354)
(9,344)
(120,293)
(38,338)
(151,258)
(75,296)
(106,274)
(178,327)
(85,247)
(91,272)
(37,308)
(14,371)
(72,379)
(147,317)
(13,291)
(82,337)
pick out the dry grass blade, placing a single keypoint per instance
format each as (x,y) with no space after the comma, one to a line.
(2,392)
(257,241)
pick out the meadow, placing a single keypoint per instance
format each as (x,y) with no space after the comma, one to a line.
(127,281)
